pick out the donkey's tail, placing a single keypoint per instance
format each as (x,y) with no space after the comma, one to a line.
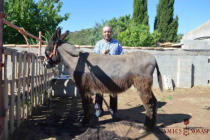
(159,77)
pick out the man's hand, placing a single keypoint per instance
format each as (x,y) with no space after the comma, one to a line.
(105,51)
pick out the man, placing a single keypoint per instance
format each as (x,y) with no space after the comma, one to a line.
(108,46)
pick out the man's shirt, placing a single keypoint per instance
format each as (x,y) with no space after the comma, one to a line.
(113,46)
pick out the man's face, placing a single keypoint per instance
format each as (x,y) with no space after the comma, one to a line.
(107,33)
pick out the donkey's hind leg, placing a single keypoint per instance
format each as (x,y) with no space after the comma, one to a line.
(144,86)
(150,105)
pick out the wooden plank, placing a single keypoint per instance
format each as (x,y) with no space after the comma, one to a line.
(34,89)
(19,89)
(48,86)
(5,97)
(42,87)
(45,84)
(28,85)
(75,91)
(16,69)
(36,82)
(39,84)
(24,85)
(46,77)
(32,80)
(12,104)
(23,45)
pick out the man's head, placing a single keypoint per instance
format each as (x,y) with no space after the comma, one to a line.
(107,33)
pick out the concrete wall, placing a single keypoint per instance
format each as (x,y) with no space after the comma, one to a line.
(185,69)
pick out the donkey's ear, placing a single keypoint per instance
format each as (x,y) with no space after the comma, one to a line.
(63,36)
(56,35)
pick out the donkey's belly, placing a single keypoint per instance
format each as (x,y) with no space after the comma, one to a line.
(104,84)
(109,88)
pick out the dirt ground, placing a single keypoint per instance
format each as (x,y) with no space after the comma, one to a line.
(59,119)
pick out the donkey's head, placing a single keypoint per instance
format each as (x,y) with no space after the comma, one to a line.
(51,50)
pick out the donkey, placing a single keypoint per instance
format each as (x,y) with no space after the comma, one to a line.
(98,73)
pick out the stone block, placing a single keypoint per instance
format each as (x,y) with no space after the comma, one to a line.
(184,73)
(196,44)
(168,84)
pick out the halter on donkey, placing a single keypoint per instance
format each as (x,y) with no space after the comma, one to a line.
(93,73)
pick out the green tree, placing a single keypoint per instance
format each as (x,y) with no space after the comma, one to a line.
(33,17)
(86,36)
(179,37)
(92,35)
(140,14)
(119,25)
(165,24)
(95,33)
(136,35)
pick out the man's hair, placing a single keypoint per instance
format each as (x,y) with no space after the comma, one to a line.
(107,26)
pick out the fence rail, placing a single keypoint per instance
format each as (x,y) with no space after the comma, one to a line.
(22,45)
(27,87)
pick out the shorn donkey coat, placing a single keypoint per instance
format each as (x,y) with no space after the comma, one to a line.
(111,74)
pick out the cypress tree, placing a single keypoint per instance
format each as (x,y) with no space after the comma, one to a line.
(164,21)
(140,14)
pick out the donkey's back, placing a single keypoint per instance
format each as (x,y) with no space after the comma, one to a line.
(140,63)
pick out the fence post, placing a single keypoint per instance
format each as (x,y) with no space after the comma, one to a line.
(2,104)
(12,98)
(18,109)
(24,86)
(6,96)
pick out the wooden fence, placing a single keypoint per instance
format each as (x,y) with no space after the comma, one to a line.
(26,87)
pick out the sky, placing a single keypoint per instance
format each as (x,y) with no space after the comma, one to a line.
(86,13)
